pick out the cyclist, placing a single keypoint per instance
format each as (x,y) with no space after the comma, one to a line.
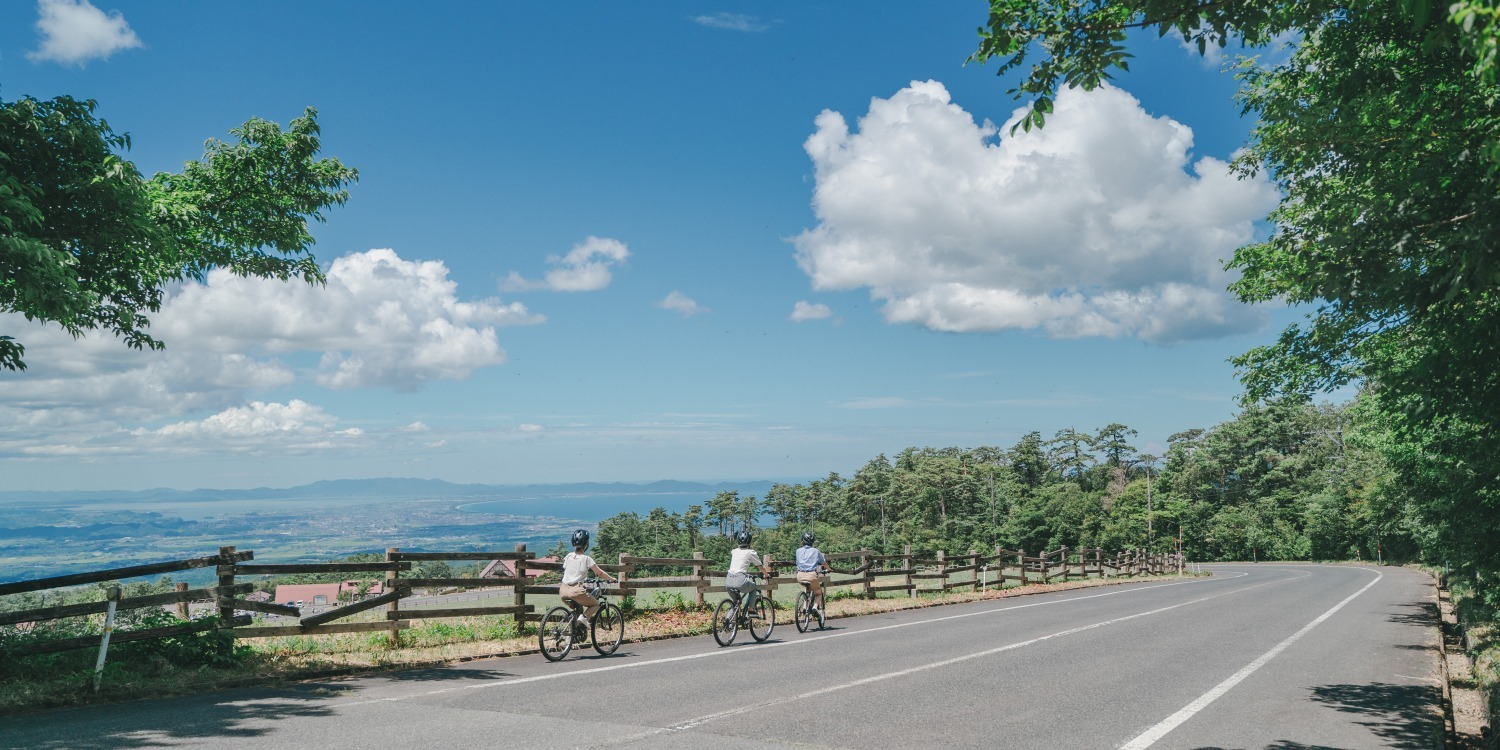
(740,561)
(810,563)
(576,567)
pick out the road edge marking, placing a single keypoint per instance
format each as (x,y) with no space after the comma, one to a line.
(749,649)
(1150,736)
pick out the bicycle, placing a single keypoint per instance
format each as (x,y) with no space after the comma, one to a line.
(806,610)
(729,618)
(560,627)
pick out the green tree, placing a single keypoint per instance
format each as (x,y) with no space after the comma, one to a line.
(1072,453)
(783,501)
(692,520)
(722,509)
(1114,441)
(87,243)
(1381,132)
(1029,460)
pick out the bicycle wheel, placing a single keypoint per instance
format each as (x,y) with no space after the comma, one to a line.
(822,616)
(608,629)
(555,633)
(764,619)
(802,615)
(725,627)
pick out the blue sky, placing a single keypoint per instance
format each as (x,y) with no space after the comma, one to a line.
(632,242)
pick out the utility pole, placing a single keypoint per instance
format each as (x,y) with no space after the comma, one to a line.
(1148,460)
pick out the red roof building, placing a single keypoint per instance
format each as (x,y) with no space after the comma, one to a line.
(507,568)
(323,594)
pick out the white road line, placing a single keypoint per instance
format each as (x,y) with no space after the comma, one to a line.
(701,720)
(761,647)
(1150,736)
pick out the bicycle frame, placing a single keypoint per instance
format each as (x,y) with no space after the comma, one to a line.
(567,619)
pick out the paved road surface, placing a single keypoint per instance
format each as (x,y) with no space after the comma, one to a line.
(1256,656)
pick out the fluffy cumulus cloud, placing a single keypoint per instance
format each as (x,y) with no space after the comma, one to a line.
(381,321)
(681,303)
(586,268)
(1099,224)
(803,311)
(74,32)
(295,425)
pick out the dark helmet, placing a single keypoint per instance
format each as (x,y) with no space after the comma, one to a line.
(742,537)
(808,538)
(581,539)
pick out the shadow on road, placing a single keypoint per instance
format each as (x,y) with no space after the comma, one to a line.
(1421,614)
(1401,714)
(1283,745)
(240,714)
(441,674)
(244,716)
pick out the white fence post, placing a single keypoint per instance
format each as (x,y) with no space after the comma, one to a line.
(109,627)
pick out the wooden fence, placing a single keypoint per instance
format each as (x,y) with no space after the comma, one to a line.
(871,573)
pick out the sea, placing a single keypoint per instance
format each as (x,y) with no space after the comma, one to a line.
(592,508)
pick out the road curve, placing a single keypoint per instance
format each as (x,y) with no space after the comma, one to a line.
(1264,655)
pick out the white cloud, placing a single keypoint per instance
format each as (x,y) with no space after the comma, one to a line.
(380,321)
(1098,224)
(732,22)
(74,32)
(255,420)
(809,311)
(586,268)
(528,427)
(293,428)
(679,302)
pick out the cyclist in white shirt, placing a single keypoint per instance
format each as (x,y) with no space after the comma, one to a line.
(811,562)
(576,567)
(740,561)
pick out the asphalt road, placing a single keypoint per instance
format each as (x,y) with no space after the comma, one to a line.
(1256,656)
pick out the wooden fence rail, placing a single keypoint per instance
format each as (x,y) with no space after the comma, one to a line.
(873,574)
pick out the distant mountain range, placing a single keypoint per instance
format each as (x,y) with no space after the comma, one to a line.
(384,488)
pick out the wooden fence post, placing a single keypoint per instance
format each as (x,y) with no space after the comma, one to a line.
(698,573)
(974,560)
(865,562)
(182,606)
(392,554)
(517,596)
(1021,561)
(771,579)
(911,586)
(226,580)
(621,575)
(942,571)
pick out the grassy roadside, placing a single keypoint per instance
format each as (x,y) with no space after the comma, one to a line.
(1476,681)
(61,681)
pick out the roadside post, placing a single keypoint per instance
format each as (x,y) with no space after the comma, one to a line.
(182,606)
(109,627)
